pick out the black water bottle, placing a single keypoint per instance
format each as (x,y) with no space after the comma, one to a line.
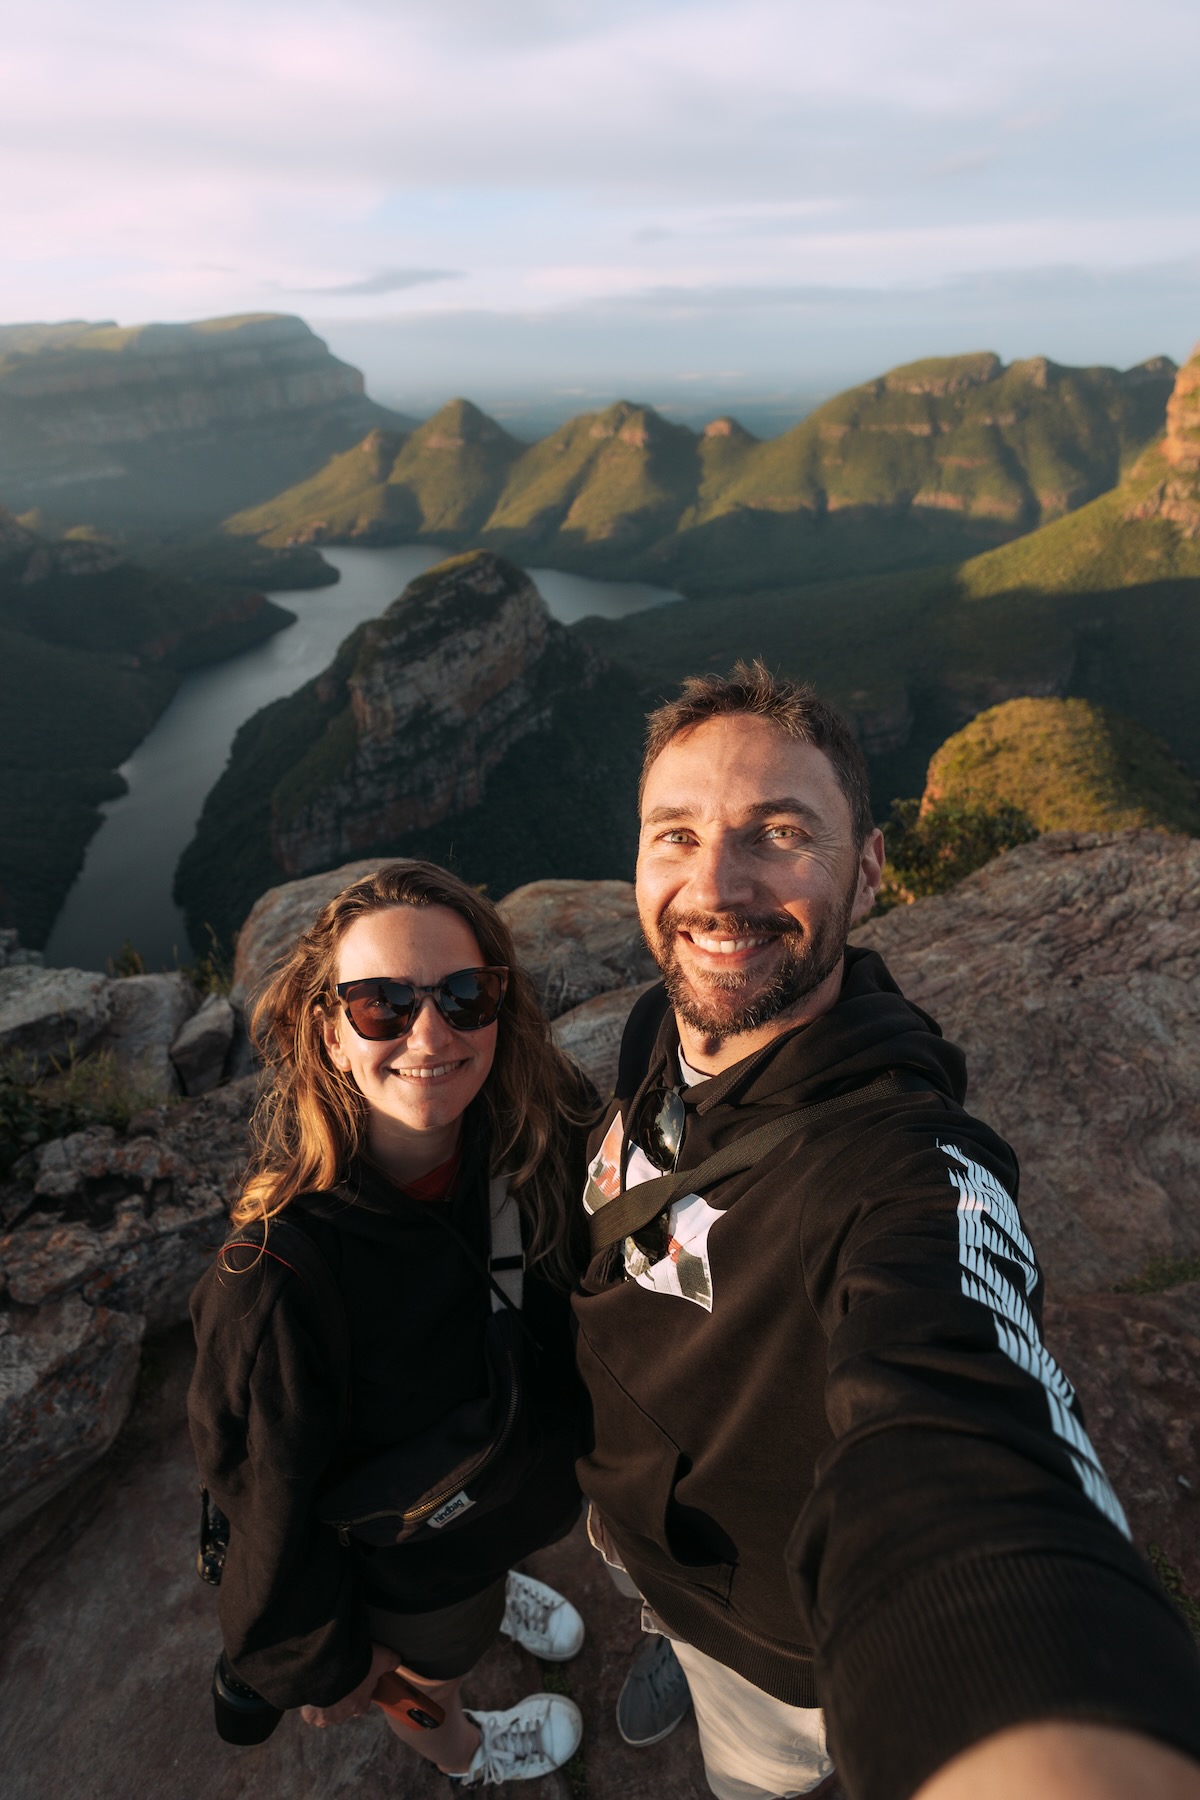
(242,1715)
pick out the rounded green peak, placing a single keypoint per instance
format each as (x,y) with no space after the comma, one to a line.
(1070,765)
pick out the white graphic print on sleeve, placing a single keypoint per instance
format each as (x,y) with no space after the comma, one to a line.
(989,1227)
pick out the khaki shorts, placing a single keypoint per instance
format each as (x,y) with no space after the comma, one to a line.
(446,1644)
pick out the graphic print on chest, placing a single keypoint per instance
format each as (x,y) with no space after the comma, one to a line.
(682,1268)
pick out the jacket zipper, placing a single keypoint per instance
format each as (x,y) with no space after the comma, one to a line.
(418,1513)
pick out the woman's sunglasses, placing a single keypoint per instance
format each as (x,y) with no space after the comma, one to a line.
(379,1009)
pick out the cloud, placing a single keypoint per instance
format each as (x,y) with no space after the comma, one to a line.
(387,281)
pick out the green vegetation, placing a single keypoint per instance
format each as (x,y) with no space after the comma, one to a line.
(1067,765)
(931,463)
(1161,1274)
(930,852)
(88,1090)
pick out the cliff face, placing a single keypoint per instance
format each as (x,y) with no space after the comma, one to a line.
(1177,495)
(180,420)
(436,692)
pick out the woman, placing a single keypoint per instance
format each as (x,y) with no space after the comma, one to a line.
(411,1066)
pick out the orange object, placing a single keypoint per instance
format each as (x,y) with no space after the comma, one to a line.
(407,1703)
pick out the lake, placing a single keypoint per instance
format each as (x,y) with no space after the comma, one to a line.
(123,892)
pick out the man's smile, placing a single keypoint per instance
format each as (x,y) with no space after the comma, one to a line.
(724,946)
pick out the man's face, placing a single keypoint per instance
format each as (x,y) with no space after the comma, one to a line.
(748,880)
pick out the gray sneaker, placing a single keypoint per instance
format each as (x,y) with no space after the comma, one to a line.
(655,1695)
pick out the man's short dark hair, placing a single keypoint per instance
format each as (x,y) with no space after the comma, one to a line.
(794,706)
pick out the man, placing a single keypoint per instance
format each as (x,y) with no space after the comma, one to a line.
(830,1448)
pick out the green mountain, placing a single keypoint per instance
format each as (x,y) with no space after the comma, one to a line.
(930,463)
(599,492)
(1102,604)
(92,646)
(167,426)
(442,481)
(1068,765)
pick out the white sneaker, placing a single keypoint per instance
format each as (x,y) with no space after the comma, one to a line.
(540,1620)
(528,1740)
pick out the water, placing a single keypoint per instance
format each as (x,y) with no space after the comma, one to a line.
(123,892)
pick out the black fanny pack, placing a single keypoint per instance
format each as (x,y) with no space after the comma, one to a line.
(476,1457)
(473,1459)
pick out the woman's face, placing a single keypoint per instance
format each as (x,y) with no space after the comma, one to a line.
(418,1086)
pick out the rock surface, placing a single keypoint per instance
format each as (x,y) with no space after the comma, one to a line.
(1068,971)
(108,1235)
(46,1015)
(147,1014)
(577,939)
(201,1047)
(591,1033)
(428,699)
(67,1378)
(1177,459)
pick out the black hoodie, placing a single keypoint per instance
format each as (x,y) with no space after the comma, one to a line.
(270,1427)
(828,1442)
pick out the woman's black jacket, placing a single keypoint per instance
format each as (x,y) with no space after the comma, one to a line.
(271,1424)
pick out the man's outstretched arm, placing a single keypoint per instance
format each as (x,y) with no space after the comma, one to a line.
(1058,1761)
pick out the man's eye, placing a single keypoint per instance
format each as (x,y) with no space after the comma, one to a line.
(783,831)
(676,837)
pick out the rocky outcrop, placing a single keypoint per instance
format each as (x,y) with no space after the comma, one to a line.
(1181,445)
(107,1234)
(200,1049)
(146,1014)
(48,1015)
(1068,969)
(67,1377)
(1176,495)
(433,695)
(577,939)
(50,1018)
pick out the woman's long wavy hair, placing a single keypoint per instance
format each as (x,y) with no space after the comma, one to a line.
(311,1122)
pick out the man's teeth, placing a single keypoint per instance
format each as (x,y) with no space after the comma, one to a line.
(421,1074)
(726,946)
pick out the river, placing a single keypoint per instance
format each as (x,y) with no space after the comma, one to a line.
(123,892)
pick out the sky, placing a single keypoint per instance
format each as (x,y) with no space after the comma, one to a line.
(576,197)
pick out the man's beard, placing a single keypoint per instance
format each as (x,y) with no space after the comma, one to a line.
(722,1004)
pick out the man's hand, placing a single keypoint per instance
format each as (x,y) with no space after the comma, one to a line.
(354,1705)
(1059,1761)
